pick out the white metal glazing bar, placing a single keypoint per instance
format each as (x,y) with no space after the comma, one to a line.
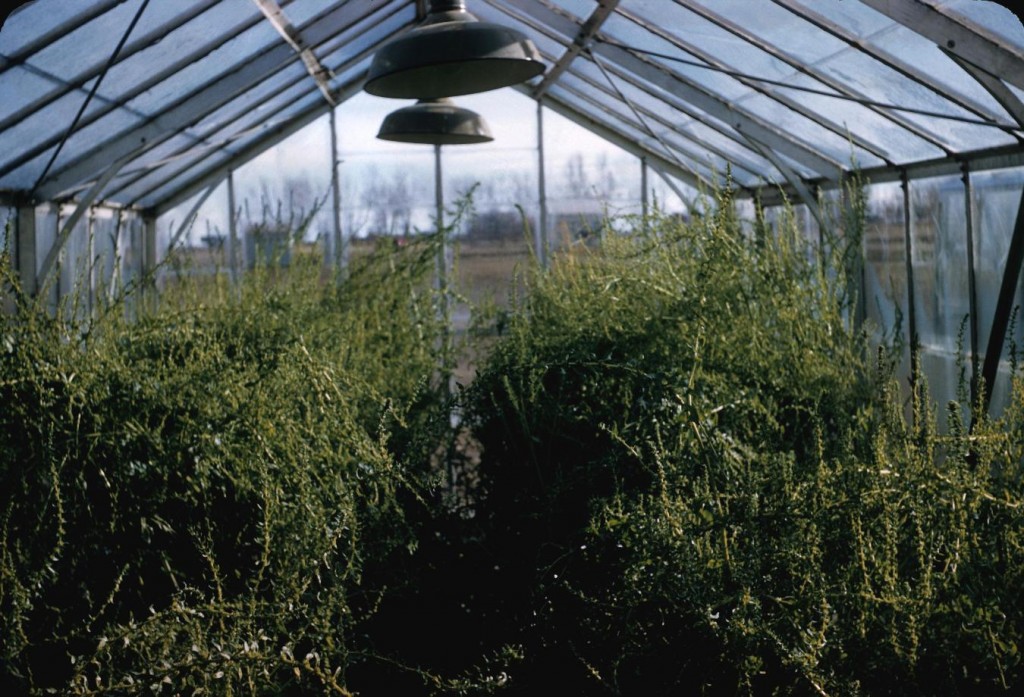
(800,9)
(293,37)
(833,83)
(762,87)
(674,127)
(580,43)
(963,38)
(658,76)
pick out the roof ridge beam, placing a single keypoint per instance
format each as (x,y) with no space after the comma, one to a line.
(957,35)
(579,44)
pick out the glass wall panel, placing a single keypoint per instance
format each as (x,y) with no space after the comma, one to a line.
(587,179)
(885,270)
(997,197)
(941,294)
(8,219)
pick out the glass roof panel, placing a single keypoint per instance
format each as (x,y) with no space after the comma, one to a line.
(887,86)
(779,27)
(702,132)
(223,19)
(260,99)
(532,28)
(631,131)
(168,187)
(86,138)
(79,47)
(208,160)
(674,136)
(236,120)
(27,85)
(999,20)
(751,60)
(908,46)
(362,38)
(679,62)
(896,142)
(299,12)
(32,20)
(25,176)
(580,8)
(230,56)
(34,131)
(726,47)
(833,145)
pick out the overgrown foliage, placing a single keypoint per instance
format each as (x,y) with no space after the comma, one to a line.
(679,469)
(696,477)
(202,500)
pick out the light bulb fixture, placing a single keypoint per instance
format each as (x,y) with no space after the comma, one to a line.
(450,53)
(435,122)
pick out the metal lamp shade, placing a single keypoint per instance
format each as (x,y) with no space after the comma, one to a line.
(435,122)
(452,53)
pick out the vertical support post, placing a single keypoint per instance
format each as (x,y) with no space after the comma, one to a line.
(908,242)
(232,231)
(1004,304)
(149,255)
(443,272)
(26,249)
(443,265)
(442,258)
(90,261)
(971,287)
(340,245)
(540,235)
(643,189)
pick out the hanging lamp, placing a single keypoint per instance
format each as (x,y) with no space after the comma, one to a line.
(435,122)
(450,53)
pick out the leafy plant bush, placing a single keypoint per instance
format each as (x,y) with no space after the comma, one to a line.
(695,477)
(204,500)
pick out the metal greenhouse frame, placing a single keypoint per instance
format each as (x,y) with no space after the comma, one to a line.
(788,98)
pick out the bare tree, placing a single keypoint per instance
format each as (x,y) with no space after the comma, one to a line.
(575,183)
(388,201)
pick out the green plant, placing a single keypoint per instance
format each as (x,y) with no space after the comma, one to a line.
(694,477)
(205,498)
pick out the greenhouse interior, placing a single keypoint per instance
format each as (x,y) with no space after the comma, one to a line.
(527,347)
